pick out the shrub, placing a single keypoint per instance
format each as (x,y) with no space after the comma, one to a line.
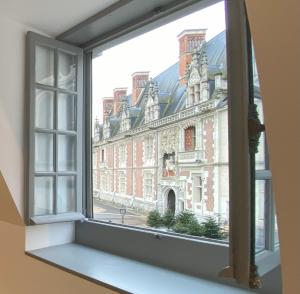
(186,218)
(187,223)
(154,219)
(211,229)
(168,219)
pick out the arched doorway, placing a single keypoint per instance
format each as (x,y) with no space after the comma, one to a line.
(171,201)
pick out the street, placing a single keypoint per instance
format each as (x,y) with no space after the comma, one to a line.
(109,212)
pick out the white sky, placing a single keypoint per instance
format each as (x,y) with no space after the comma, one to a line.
(154,51)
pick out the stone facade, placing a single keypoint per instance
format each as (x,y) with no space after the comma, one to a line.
(167,146)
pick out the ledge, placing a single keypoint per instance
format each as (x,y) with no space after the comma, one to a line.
(126,275)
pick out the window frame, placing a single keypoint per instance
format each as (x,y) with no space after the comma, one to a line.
(239,163)
(32,41)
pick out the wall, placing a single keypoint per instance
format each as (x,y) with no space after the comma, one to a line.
(275,28)
(20,274)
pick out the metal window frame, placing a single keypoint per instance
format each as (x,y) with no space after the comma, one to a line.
(33,39)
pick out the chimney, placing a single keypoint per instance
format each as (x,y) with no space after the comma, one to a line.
(139,81)
(188,41)
(118,94)
(108,105)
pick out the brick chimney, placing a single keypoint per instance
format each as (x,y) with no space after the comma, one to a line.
(118,94)
(188,41)
(108,105)
(139,81)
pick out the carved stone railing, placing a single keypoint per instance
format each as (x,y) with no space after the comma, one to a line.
(186,113)
(195,156)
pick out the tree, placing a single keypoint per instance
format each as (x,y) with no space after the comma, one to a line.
(154,219)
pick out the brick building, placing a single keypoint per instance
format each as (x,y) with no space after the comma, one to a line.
(165,146)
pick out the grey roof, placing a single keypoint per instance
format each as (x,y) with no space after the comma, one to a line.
(172,94)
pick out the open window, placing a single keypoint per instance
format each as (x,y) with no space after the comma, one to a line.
(158,142)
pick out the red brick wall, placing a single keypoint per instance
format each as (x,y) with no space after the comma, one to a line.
(118,94)
(185,50)
(108,105)
(139,183)
(209,189)
(110,156)
(139,152)
(129,154)
(208,139)
(129,181)
(139,81)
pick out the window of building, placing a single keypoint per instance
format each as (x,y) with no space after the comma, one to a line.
(198,191)
(122,183)
(148,185)
(122,153)
(102,155)
(148,147)
(190,138)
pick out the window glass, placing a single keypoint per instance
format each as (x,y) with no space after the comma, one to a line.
(160,111)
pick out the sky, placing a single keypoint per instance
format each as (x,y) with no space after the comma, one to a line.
(153,51)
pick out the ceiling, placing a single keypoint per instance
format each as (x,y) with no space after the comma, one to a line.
(52,17)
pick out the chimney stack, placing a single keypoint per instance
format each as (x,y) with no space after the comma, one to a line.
(118,94)
(108,105)
(188,41)
(139,81)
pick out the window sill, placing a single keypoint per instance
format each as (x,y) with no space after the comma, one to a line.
(125,275)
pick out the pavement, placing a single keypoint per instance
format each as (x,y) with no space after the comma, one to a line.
(111,213)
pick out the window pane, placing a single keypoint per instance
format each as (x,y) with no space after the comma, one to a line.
(44,66)
(44,105)
(44,152)
(67,64)
(43,195)
(261,191)
(66,113)
(164,128)
(66,153)
(66,194)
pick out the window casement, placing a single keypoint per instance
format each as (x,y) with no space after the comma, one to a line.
(55,77)
(198,189)
(60,144)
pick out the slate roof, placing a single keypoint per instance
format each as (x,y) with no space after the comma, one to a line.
(172,94)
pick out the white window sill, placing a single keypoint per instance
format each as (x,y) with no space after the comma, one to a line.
(125,275)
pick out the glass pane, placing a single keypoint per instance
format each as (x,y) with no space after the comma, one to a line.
(276,236)
(261,190)
(67,71)
(43,195)
(66,153)
(43,152)
(44,66)
(66,113)
(66,194)
(44,102)
(174,177)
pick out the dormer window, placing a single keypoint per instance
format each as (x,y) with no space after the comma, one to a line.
(152,105)
(106,128)
(125,115)
(197,78)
